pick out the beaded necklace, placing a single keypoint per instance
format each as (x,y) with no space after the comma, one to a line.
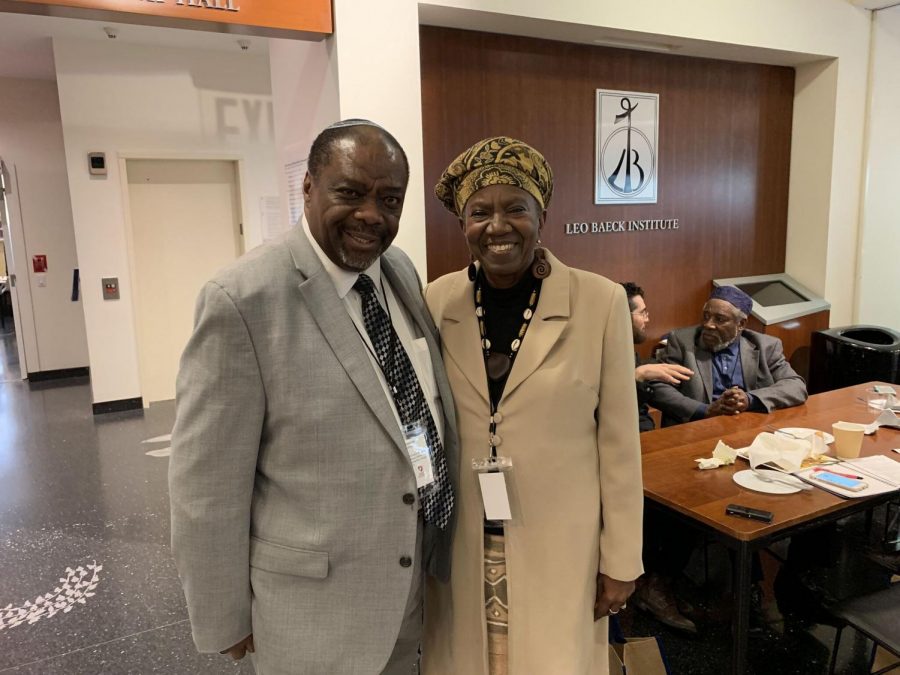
(498,364)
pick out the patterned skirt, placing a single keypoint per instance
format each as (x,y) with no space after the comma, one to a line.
(495,602)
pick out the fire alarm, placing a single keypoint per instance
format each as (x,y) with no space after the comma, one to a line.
(97,163)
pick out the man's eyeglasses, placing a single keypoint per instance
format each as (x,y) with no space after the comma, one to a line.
(643,313)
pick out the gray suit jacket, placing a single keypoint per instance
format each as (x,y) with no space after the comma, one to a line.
(767,375)
(288,470)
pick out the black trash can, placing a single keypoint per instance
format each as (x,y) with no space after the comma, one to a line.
(841,357)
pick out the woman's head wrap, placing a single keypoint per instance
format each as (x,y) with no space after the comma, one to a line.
(495,161)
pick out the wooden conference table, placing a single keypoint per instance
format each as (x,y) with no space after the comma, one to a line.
(673,482)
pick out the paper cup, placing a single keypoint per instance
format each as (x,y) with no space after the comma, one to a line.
(848,438)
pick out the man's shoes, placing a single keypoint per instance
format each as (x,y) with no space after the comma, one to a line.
(654,595)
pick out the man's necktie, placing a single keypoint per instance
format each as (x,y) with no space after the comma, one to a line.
(437,503)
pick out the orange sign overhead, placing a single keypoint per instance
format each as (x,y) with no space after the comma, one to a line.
(309,16)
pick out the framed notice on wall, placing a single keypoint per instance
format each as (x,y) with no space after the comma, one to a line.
(627,147)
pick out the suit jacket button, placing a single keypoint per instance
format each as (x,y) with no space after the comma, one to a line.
(405,561)
(409,498)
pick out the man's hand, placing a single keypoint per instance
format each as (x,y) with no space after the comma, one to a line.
(717,408)
(237,651)
(735,401)
(611,595)
(670,373)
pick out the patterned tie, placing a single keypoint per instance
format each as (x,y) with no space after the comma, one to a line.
(437,503)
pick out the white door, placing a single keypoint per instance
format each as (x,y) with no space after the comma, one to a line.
(185,225)
(15,258)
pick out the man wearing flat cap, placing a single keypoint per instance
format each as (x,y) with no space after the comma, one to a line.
(735,369)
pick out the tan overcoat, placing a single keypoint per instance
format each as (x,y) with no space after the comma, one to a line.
(568,420)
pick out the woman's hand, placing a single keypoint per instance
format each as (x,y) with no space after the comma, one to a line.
(611,595)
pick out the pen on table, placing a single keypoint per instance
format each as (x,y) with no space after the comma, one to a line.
(836,473)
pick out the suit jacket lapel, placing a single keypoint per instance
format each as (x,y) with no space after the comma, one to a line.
(412,300)
(459,335)
(329,312)
(704,367)
(550,319)
(749,356)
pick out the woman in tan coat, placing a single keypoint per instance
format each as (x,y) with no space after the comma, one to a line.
(541,364)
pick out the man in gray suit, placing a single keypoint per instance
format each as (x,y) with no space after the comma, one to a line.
(314,452)
(735,369)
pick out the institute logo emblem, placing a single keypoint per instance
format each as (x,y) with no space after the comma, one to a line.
(627,152)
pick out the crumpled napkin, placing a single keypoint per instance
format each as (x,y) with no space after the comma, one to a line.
(778,450)
(722,455)
(887,418)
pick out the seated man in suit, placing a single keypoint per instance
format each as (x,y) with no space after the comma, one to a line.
(735,369)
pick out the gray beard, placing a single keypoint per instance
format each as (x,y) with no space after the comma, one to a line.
(725,345)
(357,263)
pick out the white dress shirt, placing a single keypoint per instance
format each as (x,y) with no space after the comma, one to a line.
(410,336)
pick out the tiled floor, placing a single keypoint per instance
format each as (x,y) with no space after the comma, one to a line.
(76,491)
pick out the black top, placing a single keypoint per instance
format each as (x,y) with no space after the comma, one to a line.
(503,309)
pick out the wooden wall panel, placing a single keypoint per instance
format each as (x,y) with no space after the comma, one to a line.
(724,157)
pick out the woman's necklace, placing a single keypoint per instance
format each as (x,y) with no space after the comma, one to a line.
(499,364)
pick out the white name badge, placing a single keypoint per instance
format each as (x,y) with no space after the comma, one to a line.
(419,455)
(492,474)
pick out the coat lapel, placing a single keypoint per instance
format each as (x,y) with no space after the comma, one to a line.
(749,357)
(329,312)
(411,298)
(459,334)
(704,367)
(550,319)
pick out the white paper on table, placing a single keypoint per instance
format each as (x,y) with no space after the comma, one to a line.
(861,467)
(879,466)
(778,450)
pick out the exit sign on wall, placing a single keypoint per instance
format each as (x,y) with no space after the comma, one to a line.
(310,17)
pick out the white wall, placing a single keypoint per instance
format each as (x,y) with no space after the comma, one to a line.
(379,78)
(31,139)
(369,68)
(879,278)
(304,97)
(829,113)
(135,100)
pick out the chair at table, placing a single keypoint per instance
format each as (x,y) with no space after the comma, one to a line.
(877,616)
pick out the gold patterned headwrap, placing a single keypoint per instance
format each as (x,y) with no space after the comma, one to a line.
(495,161)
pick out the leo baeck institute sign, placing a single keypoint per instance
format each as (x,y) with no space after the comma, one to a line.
(627,160)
